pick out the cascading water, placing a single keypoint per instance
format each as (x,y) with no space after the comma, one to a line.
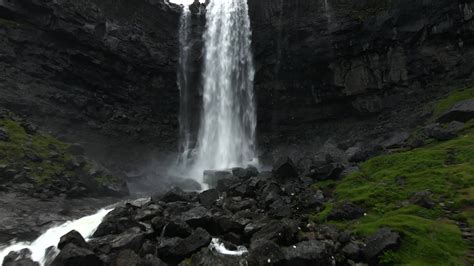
(227,133)
(184,89)
(85,226)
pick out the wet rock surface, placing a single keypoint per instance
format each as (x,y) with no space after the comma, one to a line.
(177,228)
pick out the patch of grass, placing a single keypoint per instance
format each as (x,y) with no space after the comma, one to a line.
(453,98)
(385,185)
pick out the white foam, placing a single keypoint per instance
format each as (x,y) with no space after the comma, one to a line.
(219,247)
(86,226)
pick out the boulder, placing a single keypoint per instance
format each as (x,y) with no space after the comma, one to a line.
(462,112)
(325,171)
(284,168)
(383,240)
(175,194)
(72,255)
(226,183)
(265,252)
(4,136)
(132,239)
(310,253)
(117,221)
(395,140)
(20,258)
(151,260)
(186,184)
(175,228)
(356,154)
(352,251)
(212,177)
(282,232)
(208,257)
(346,211)
(173,250)
(196,217)
(127,258)
(76,149)
(29,128)
(72,237)
(439,132)
(423,199)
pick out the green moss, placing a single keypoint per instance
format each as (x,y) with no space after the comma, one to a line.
(453,98)
(321,217)
(385,185)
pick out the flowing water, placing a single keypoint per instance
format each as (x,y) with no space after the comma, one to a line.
(86,226)
(227,133)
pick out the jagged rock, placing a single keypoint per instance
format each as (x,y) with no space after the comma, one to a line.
(213,177)
(187,184)
(327,171)
(356,154)
(130,239)
(20,258)
(383,240)
(72,237)
(175,194)
(461,112)
(265,252)
(284,168)
(224,184)
(117,221)
(196,217)
(309,253)
(395,140)
(352,251)
(208,198)
(440,132)
(207,257)
(4,136)
(72,255)
(280,231)
(127,258)
(174,229)
(346,211)
(151,260)
(176,249)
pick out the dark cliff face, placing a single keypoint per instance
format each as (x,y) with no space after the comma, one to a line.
(320,62)
(103,72)
(93,71)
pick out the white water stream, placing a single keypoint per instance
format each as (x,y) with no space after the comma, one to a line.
(86,226)
(227,133)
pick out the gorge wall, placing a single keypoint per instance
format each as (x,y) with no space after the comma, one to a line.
(104,72)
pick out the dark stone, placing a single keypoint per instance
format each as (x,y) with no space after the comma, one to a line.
(127,258)
(176,229)
(461,112)
(151,260)
(174,250)
(383,240)
(240,173)
(327,171)
(117,221)
(280,231)
(72,237)
(213,177)
(176,194)
(72,255)
(284,168)
(438,132)
(130,239)
(346,211)
(252,171)
(309,253)
(265,252)
(29,128)
(224,184)
(76,149)
(208,198)
(352,251)
(4,136)
(20,258)
(208,257)
(196,217)
(187,184)
(356,154)
(395,140)
(423,199)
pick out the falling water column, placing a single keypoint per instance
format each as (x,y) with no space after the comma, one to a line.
(227,132)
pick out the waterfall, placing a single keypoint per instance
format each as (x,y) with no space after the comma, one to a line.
(227,133)
(86,226)
(184,89)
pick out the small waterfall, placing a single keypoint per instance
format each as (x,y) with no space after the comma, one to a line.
(185,115)
(86,226)
(227,131)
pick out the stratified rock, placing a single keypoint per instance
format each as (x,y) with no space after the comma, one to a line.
(383,240)
(346,211)
(72,237)
(284,168)
(310,253)
(208,198)
(461,112)
(72,255)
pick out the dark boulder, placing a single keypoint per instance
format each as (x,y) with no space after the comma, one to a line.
(76,149)
(226,183)
(395,140)
(118,221)
(173,250)
(208,198)
(284,168)
(151,260)
(325,171)
(310,253)
(186,184)
(130,239)
(196,217)
(383,240)
(356,154)
(265,252)
(440,132)
(72,237)
(462,112)
(175,194)
(240,173)
(208,257)
(127,258)
(213,177)
(174,228)
(4,136)
(29,128)
(72,255)
(352,251)
(282,232)
(20,258)
(346,211)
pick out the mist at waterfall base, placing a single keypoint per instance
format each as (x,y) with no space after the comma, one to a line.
(226,136)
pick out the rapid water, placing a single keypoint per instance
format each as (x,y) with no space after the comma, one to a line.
(185,115)
(227,133)
(86,226)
